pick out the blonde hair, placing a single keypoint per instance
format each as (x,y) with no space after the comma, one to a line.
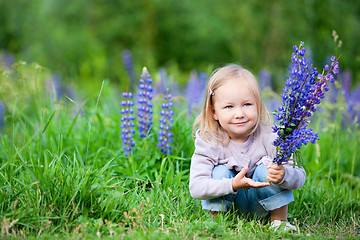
(208,125)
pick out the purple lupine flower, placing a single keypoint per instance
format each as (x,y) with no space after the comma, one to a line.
(166,82)
(195,89)
(346,78)
(2,113)
(57,90)
(166,120)
(303,91)
(354,105)
(129,65)
(333,93)
(54,86)
(145,104)
(351,97)
(272,103)
(6,59)
(266,85)
(265,79)
(127,122)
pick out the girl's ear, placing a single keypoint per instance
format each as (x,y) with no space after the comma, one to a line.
(214,114)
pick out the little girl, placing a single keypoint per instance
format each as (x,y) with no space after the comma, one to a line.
(232,163)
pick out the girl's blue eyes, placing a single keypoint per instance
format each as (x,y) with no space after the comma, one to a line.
(245,105)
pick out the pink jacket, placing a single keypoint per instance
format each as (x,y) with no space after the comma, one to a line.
(235,156)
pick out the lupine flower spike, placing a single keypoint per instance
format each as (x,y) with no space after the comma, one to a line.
(2,113)
(166,120)
(303,91)
(145,103)
(129,65)
(127,122)
(194,90)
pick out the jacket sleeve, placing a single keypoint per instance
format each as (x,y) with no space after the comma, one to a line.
(201,185)
(294,177)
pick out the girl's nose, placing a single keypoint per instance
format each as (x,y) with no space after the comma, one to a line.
(239,114)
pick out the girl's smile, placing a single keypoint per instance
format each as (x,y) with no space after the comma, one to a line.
(240,123)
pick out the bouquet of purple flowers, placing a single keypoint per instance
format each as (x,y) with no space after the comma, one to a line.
(303,91)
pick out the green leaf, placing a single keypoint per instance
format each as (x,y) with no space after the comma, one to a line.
(297,157)
(288,130)
(281,131)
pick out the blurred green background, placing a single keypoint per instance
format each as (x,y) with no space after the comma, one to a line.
(63,170)
(83,40)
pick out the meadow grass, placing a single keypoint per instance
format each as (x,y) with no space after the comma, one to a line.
(63,175)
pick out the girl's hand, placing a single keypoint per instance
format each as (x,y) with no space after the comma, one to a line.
(241,182)
(275,173)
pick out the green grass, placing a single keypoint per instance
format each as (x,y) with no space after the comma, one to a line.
(63,175)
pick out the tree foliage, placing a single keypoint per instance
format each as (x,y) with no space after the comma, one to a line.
(84,38)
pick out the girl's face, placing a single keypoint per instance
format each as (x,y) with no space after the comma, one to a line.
(235,109)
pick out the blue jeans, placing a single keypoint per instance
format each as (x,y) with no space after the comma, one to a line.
(254,201)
